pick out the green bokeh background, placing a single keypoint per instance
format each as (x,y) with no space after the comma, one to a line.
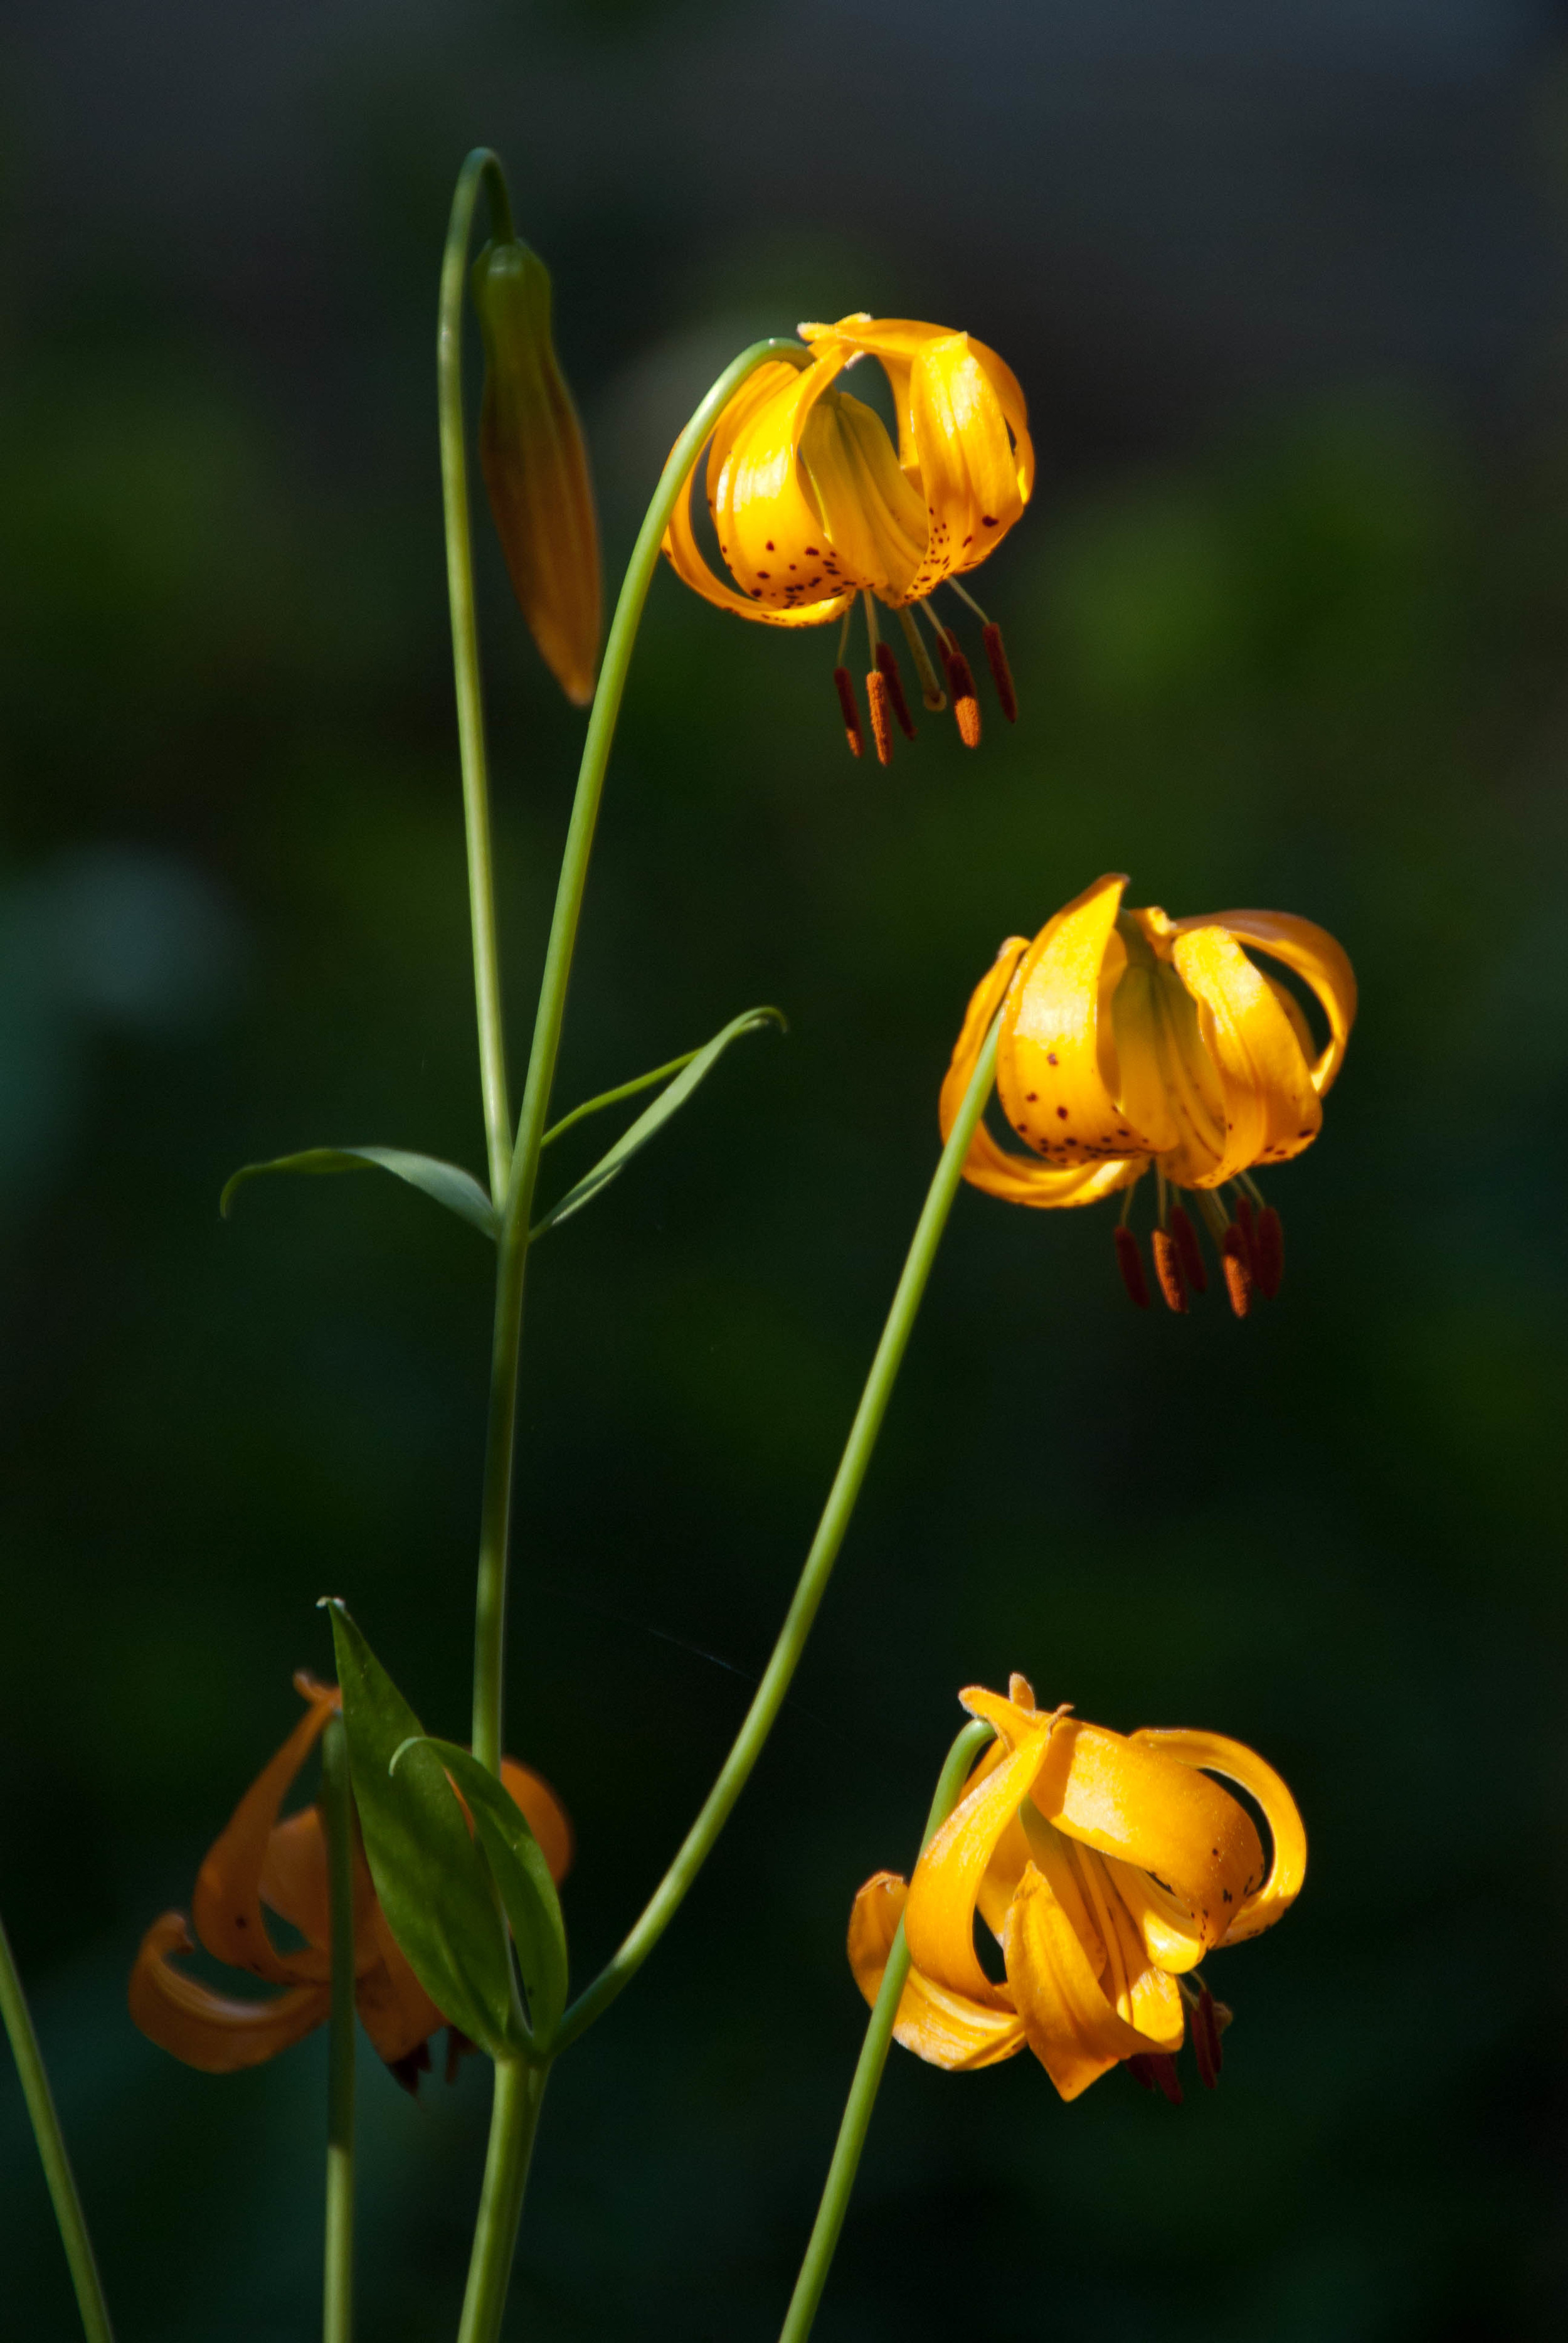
(1306,650)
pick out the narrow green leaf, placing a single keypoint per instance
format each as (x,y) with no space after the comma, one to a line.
(433,1881)
(447,1184)
(614,1098)
(669,1102)
(523,1876)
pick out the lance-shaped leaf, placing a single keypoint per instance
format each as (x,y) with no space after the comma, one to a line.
(518,1863)
(654,1118)
(447,1184)
(432,1879)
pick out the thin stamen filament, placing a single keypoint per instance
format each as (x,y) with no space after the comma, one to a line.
(965,595)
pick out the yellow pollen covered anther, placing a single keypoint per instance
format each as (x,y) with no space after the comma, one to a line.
(962,684)
(1188,1251)
(879,701)
(1234,1262)
(1168,1270)
(888,666)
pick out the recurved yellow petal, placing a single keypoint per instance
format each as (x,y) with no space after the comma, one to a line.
(939,1920)
(873,519)
(1288,1870)
(1271,1108)
(1056,1063)
(227,1905)
(1068,2022)
(1018,1179)
(751,457)
(1139,1803)
(207,2029)
(944,2029)
(1313,955)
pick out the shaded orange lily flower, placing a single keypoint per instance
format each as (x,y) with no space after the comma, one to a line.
(1129,1039)
(812,503)
(1107,1868)
(258,1861)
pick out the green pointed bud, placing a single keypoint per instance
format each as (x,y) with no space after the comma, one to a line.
(535,467)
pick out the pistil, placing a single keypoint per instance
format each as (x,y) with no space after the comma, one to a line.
(931,692)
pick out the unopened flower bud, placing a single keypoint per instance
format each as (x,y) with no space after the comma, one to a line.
(535,467)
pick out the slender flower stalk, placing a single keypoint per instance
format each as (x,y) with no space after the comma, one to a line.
(873,2058)
(514,2109)
(667,1897)
(489,1632)
(51,2142)
(337,1812)
(481,168)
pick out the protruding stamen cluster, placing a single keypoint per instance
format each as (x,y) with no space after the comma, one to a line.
(1206,2020)
(885,692)
(1251,1250)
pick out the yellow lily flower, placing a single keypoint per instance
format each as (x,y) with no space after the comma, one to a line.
(1128,1039)
(812,503)
(1107,1868)
(259,1861)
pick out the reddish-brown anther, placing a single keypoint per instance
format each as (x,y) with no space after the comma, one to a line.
(851,714)
(1248,1227)
(1130,1261)
(1234,1262)
(1001,673)
(1155,2070)
(879,699)
(888,666)
(1206,2047)
(962,685)
(1268,1253)
(1188,1252)
(1168,1270)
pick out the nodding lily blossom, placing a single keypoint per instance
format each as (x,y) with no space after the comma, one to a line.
(259,1861)
(1129,1039)
(812,503)
(1107,1868)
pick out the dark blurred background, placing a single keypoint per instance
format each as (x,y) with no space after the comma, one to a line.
(1289,620)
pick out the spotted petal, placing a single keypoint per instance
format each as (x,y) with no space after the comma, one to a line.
(1137,1802)
(1056,1062)
(1015,1178)
(1288,1870)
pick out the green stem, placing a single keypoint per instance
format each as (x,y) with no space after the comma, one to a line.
(490,1602)
(481,167)
(873,2058)
(337,1812)
(515,2110)
(667,1897)
(51,2150)
(514,2120)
